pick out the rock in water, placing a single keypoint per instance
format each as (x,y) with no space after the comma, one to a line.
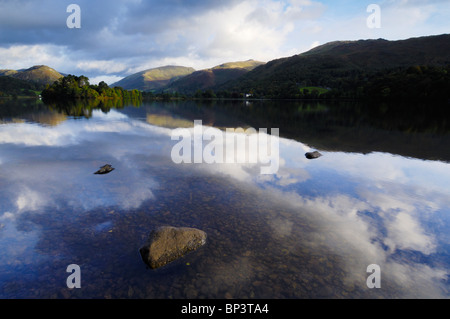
(105,169)
(166,244)
(312,155)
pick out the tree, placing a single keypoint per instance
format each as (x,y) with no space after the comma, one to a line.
(74,87)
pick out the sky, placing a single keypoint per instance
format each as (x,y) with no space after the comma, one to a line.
(117,38)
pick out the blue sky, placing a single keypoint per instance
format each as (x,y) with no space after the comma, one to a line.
(121,37)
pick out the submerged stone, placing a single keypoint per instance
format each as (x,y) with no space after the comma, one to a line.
(312,155)
(166,244)
(105,169)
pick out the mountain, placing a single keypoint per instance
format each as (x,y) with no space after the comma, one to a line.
(26,82)
(39,74)
(246,65)
(210,78)
(153,79)
(342,65)
(7,72)
(382,54)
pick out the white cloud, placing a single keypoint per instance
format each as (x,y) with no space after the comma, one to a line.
(29,200)
(108,79)
(404,232)
(103,66)
(254,29)
(133,36)
(24,56)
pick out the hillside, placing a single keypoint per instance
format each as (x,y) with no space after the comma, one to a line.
(40,74)
(7,72)
(246,65)
(344,65)
(210,78)
(15,87)
(26,82)
(153,79)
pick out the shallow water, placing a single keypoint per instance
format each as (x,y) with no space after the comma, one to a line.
(308,231)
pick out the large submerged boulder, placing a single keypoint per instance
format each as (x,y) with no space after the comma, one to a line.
(166,244)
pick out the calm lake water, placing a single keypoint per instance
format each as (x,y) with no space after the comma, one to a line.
(378,195)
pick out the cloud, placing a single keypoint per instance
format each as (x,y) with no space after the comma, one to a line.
(137,34)
(257,29)
(19,15)
(25,55)
(118,38)
(29,200)
(404,232)
(108,79)
(103,66)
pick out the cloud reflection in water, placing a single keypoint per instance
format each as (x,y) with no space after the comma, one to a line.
(388,210)
(43,165)
(374,208)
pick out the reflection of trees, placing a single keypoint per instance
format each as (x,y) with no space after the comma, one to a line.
(84,108)
(406,129)
(417,130)
(298,116)
(53,113)
(310,116)
(15,107)
(21,110)
(46,117)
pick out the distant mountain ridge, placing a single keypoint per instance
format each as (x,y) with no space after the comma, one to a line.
(7,72)
(210,78)
(185,79)
(246,65)
(26,82)
(381,53)
(38,74)
(336,63)
(153,79)
(374,66)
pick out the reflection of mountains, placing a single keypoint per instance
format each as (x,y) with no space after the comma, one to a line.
(407,130)
(32,110)
(84,108)
(168,121)
(51,118)
(29,110)
(184,113)
(419,131)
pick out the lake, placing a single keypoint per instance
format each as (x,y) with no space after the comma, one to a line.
(378,195)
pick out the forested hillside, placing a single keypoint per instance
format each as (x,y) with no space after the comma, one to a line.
(353,69)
